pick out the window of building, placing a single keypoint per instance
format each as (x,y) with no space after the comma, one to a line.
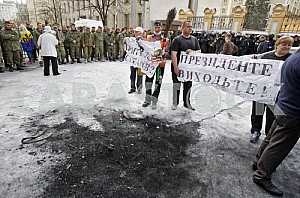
(69,7)
(73,4)
(139,19)
(115,21)
(126,17)
(65,8)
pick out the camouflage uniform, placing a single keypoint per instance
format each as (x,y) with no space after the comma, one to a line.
(120,45)
(60,48)
(99,45)
(2,68)
(87,44)
(93,32)
(11,48)
(75,38)
(111,46)
(67,44)
(105,44)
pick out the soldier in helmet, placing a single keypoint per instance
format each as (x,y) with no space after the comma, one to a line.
(60,48)
(111,44)
(67,43)
(75,38)
(2,68)
(93,48)
(87,44)
(105,43)
(99,44)
(11,47)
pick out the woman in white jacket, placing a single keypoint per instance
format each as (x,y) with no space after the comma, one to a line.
(46,43)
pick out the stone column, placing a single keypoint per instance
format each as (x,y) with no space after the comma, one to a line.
(133,13)
(277,23)
(238,14)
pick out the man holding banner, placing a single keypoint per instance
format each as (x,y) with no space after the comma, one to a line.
(153,97)
(183,43)
(136,76)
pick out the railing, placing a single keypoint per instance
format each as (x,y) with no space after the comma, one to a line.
(291,23)
(222,23)
(197,23)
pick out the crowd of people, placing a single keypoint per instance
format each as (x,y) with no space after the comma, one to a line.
(99,44)
(72,45)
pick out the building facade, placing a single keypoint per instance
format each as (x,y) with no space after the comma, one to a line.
(222,7)
(123,13)
(8,10)
(293,6)
(22,14)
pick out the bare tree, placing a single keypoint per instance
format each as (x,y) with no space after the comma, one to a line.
(51,10)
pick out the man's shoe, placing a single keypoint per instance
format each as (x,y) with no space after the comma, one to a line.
(146,104)
(139,92)
(268,186)
(255,137)
(189,107)
(174,107)
(11,69)
(19,69)
(254,166)
(56,74)
(78,61)
(131,91)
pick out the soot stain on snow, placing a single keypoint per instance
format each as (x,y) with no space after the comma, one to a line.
(129,158)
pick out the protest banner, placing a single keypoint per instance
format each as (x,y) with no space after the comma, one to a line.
(141,54)
(252,79)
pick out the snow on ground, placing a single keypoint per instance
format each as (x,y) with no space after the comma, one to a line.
(82,88)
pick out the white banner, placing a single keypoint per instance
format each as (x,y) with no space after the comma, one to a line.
(140,54)
(252,79)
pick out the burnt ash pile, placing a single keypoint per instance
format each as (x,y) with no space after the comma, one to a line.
(128,158)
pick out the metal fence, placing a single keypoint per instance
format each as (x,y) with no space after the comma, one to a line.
(222,23)
(218,23)
(197,22)
(291,23)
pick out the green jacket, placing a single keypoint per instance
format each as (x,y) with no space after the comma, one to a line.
(1,55)
(35,35)
(61,38)
(75,38)
(87,39)
(111,39)
(98,38)
(67,42)
(120,38)
(10,41)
